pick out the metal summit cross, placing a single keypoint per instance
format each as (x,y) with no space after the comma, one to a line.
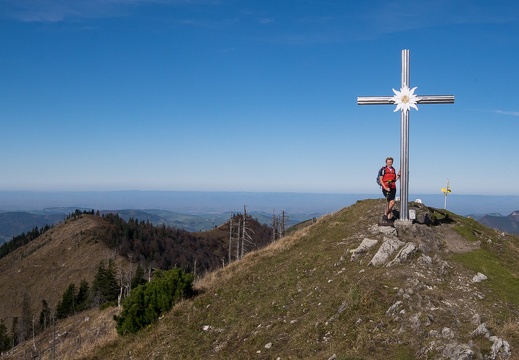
(405,99)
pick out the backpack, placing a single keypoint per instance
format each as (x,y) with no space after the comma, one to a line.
(381,172)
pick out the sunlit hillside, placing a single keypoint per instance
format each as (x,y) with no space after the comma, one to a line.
(345,288)
(340,287)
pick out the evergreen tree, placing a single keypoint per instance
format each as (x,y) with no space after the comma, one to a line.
(27,318)
(138,278)
(105,287)
(14,331)
(5,340)
(44,315)
(147,302)
(66,306)
(82,296)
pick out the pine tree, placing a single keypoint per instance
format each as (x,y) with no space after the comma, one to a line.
(138,278)
(27,317)
(82,296)
(66,306)
(14,331)
(146,303)
(5,340)
(105,287)
(44,315)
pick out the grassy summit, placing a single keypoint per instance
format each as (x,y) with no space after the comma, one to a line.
(340,287)
(304,298)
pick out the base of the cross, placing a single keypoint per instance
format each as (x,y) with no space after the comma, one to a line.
(403,222)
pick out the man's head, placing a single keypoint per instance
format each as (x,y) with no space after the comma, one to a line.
(389,161)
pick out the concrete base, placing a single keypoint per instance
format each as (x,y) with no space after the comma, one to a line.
(403,222)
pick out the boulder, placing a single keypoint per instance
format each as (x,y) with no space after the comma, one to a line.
(389,246)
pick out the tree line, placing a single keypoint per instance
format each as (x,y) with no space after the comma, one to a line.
(164,247)
(22,239)
(149,247)
(104,291)
(142,306)
(25,238)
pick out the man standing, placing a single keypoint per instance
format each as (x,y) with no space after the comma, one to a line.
(388,177)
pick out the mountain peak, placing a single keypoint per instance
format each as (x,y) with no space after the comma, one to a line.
(343,287)
(67,253)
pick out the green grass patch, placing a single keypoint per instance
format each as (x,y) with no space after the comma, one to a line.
(469,233)
(502,280)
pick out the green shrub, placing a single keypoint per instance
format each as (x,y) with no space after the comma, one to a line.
(148,302)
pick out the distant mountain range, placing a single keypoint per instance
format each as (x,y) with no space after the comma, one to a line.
(14,223)
(189,210)
(196,202)
(508,224)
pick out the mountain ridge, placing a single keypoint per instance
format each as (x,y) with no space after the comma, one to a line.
(44,266)
(509,223)
(15,223)
(320,294)
(445,287)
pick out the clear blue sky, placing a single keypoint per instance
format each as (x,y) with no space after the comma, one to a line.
(255,95)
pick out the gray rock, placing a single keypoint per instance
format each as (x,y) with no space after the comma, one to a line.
(384,230)
(479,277)
(456,351)
(481,330)
(500,348)
(393,309)
(389,246)
(364,246)
(447,333)
(402,256)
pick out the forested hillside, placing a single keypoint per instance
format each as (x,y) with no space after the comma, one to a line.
(445,287)
(164,247)
(90,260)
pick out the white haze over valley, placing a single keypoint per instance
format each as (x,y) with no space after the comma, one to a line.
(199,202)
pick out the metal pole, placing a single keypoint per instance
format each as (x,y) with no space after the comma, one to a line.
(404,144)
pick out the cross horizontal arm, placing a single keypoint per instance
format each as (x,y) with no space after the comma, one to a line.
(436,99)
(375,100)
(388,100)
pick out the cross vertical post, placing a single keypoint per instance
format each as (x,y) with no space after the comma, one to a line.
(404,144)
(405,99)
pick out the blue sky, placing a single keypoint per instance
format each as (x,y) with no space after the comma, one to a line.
(225,95)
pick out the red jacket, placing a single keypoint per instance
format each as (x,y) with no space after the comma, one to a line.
(389,177)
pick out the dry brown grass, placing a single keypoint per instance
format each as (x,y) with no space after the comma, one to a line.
(216,278)
(45,267)
(509,330)
(77,337)
(302,298)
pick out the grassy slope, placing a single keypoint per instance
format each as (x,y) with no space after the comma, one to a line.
(302,297)
(45,267)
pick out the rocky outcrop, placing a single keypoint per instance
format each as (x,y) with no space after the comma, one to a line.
(403,255)
(417,250)
(389,246)
(363,248)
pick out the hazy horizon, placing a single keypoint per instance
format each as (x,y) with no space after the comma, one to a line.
(221,201)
